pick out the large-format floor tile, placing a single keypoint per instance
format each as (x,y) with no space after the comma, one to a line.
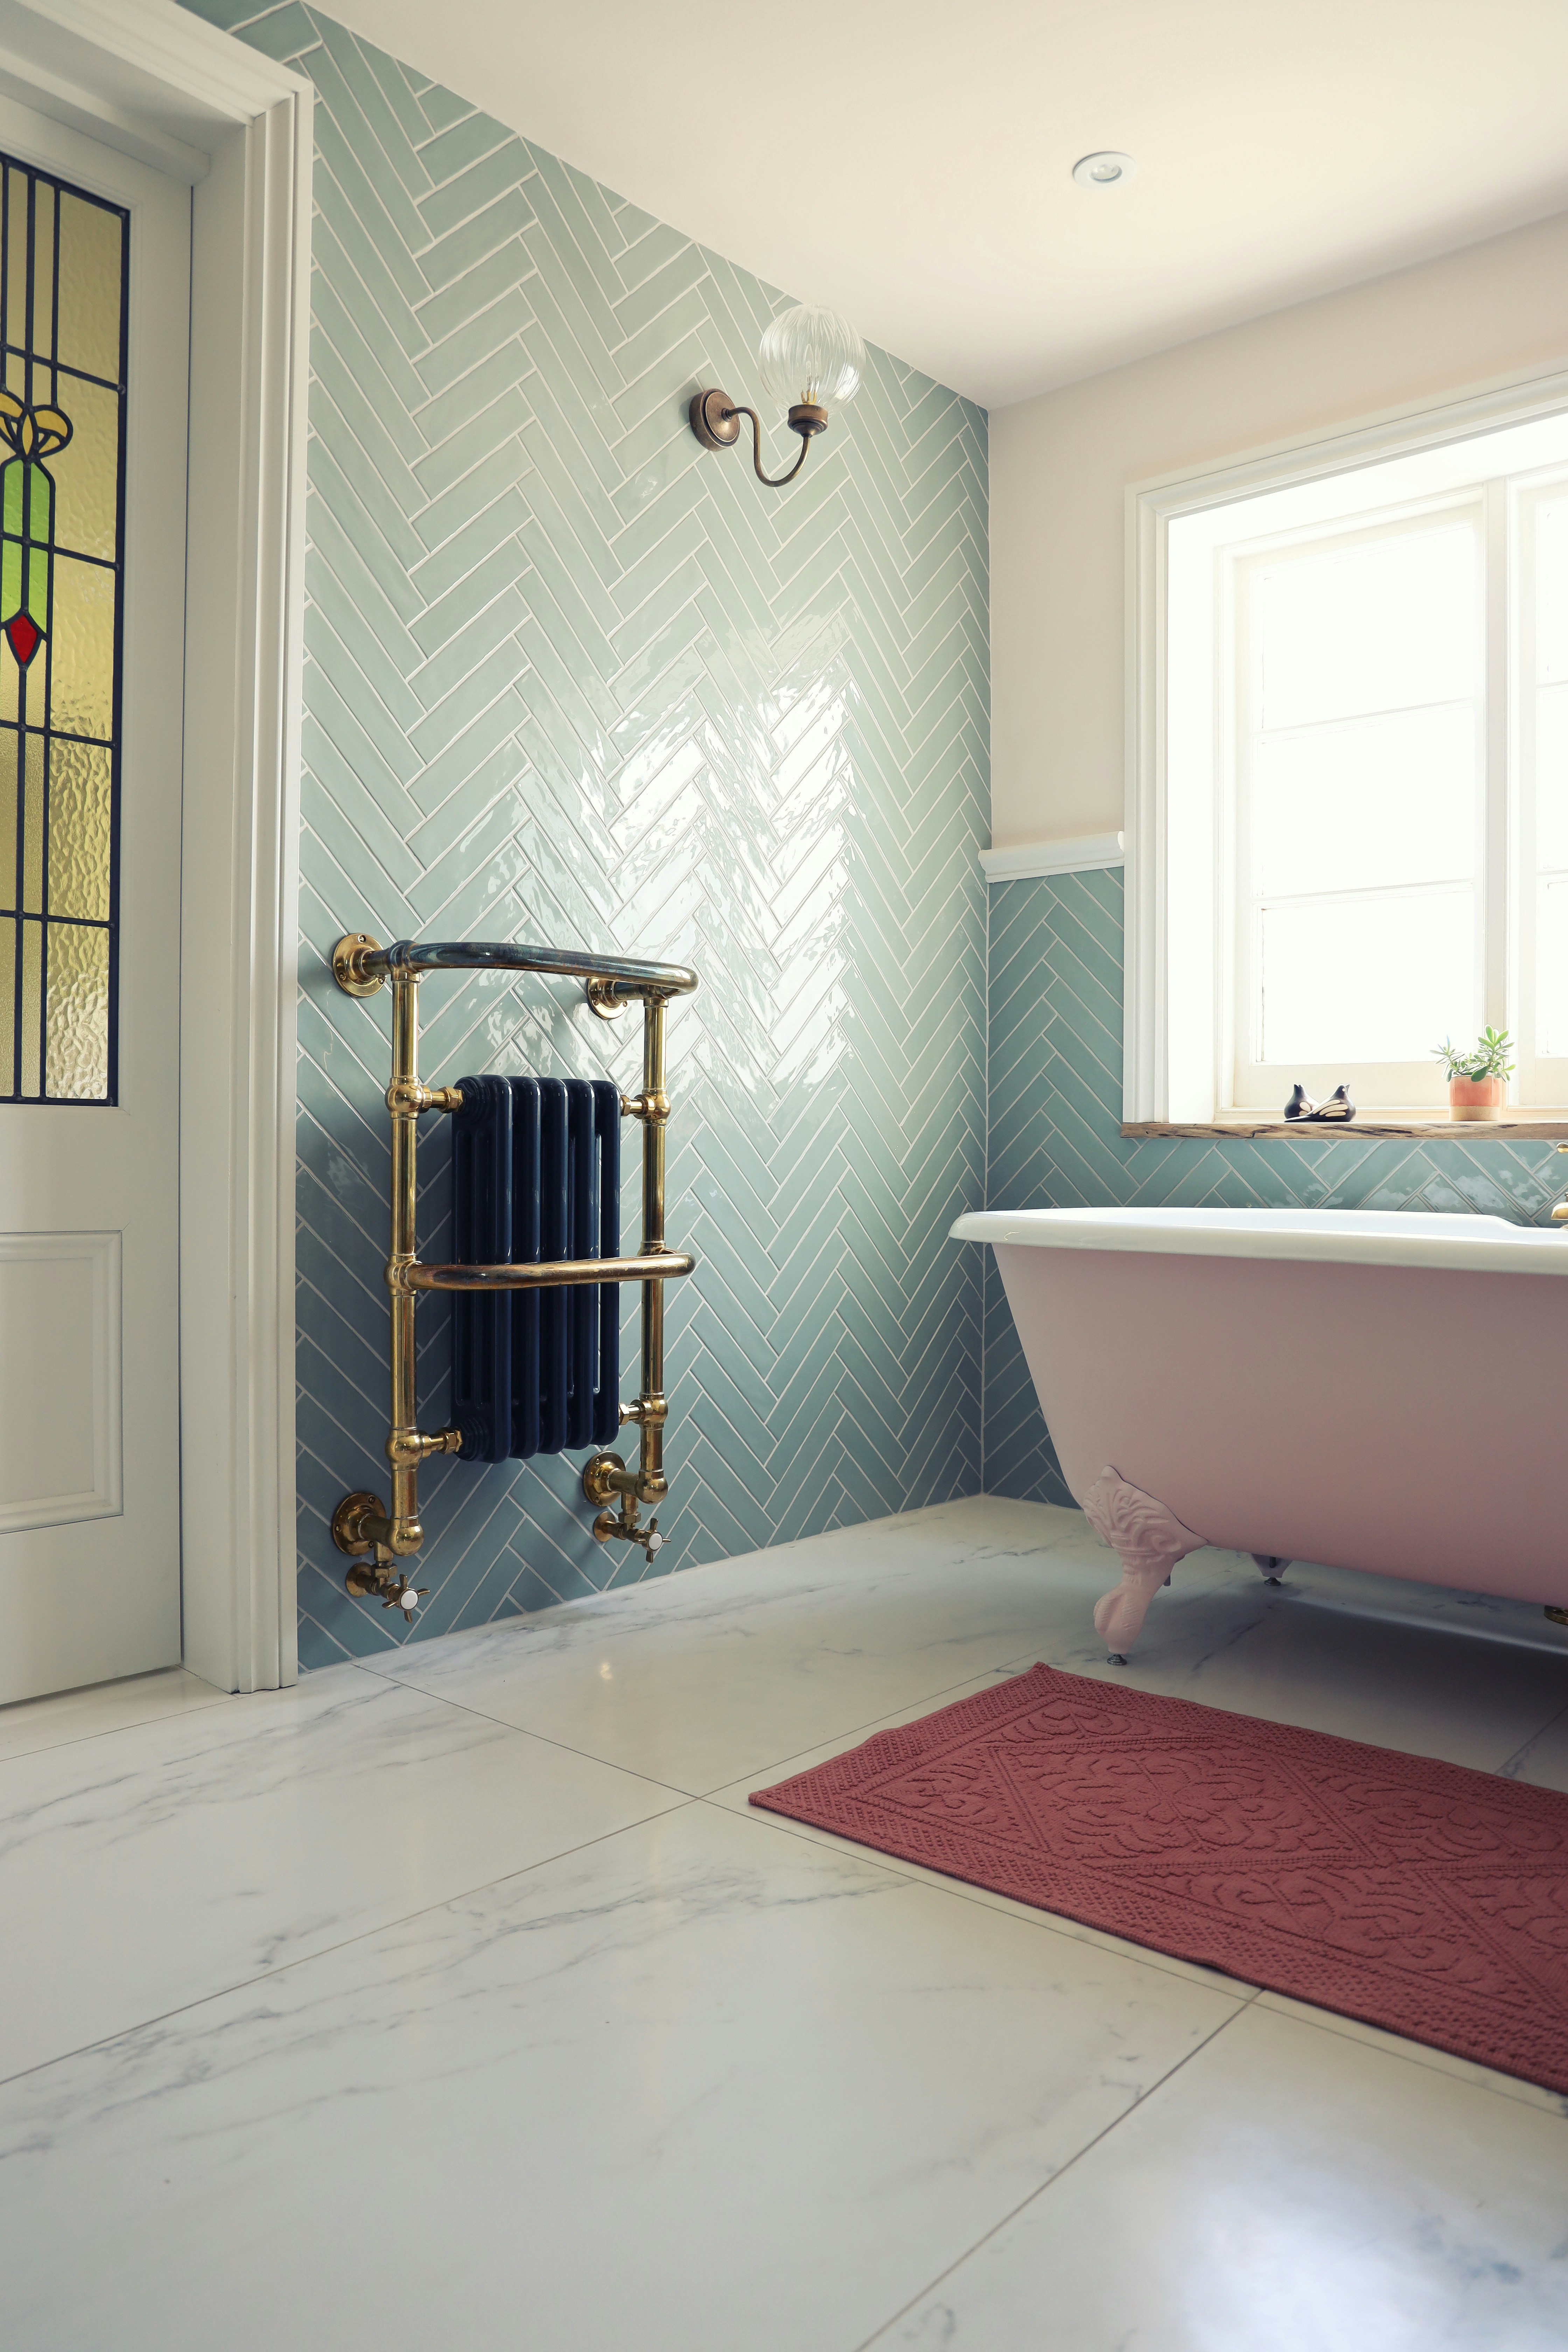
(66,1715)
(1288,2188)
(151,1868)
(696,2087)
(1543,1757)
(699,1678)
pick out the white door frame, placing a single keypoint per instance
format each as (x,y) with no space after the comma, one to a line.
(145,77)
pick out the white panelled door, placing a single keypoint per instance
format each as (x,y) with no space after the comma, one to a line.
(94,323)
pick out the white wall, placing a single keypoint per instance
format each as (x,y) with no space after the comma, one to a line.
(1060,465)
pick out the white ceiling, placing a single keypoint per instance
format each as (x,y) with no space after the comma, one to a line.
(908,162)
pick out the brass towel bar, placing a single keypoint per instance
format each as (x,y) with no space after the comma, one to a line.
(381,1541)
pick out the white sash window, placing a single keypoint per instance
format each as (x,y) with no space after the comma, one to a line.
(1348,800)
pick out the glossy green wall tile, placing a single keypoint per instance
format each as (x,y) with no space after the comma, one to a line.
(570,679)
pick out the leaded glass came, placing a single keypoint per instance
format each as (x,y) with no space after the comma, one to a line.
(64,273)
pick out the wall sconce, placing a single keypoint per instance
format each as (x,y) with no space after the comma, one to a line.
(811,358)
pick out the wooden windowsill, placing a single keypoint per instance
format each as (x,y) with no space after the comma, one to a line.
(1514,1126)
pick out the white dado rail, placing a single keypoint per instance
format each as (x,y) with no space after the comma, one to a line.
(1077,854)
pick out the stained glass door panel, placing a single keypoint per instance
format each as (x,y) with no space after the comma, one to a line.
(94,426)
(64,319)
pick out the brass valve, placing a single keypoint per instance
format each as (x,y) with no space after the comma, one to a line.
(1560,1214)
(604,1477)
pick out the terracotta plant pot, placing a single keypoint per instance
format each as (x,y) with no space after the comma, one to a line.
(1476,1098)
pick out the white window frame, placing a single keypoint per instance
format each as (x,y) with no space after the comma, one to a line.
(1178,1052)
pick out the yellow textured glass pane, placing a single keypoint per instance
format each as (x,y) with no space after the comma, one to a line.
(89,288)
(81,666)
(80,836)
(87,470)
(10,682)
(77,1066)
(7,819)
(8,1007)
(32,824)
(43,337)
(32,999)
(16,272)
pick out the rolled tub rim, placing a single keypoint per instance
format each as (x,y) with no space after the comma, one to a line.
(1460,1242)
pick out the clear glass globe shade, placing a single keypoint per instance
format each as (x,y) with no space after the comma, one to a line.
(811,355)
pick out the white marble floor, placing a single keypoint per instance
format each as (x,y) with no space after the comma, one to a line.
(464,2001)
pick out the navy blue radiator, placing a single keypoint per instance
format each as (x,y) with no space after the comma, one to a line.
(536,1175)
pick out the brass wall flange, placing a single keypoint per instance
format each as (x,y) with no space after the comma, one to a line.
(603,999)
(346,968)
(348,1522)
(598,1479)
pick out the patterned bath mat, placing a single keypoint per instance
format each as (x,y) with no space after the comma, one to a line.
(1412,1895)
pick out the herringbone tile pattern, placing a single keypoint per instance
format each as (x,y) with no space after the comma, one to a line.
(569,680)
(1055,1141)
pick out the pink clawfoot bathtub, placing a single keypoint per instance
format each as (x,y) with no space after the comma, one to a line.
(1367,1389)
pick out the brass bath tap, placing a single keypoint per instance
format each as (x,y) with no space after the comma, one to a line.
(1560,1214)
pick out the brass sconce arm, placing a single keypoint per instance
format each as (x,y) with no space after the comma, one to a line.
(716,421)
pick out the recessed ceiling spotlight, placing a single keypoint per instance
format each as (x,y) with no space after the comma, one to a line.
(1106,169)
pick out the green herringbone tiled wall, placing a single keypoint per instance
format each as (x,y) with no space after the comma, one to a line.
(570,679)
(1055,1116)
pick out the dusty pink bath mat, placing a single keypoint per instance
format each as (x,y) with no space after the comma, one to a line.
(1414,1894)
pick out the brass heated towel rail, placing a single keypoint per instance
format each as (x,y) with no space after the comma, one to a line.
(381,1542)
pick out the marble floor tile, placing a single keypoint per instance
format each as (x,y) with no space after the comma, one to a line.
(1290,2189)
(1543,1757)
(699,2086)
(32,1723)
(699,1678)
(1420,2054)
(153,1867)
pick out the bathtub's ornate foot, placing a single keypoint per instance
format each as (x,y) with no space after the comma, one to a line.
(1270,1566)
(1149,1540)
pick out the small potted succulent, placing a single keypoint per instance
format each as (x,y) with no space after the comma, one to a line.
(1478,1075)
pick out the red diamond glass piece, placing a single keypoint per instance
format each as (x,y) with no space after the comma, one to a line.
(24,636)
